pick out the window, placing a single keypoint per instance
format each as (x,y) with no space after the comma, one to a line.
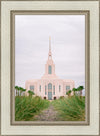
(31,87)
(40,88)
(67,87)
(49,86)
(49,69)
(45,89)
(45,92)
(59,88)
(53,90)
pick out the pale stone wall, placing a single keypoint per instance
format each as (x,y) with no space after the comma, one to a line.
(45,82)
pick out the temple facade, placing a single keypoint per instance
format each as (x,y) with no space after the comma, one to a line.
(50,86)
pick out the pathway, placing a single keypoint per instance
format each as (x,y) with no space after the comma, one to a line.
(49,114)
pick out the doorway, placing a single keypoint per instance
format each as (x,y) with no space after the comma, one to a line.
(49,95)
(49,91)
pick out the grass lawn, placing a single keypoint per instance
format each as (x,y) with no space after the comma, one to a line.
(27,107)
(71,108)
(68,109)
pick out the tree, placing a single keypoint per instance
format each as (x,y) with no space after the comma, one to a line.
(16,88)
(69,93)
(23,90)
(80,88)
(30,93)
(20,90)
(74,90)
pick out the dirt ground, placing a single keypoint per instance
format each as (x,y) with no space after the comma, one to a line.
(49,114)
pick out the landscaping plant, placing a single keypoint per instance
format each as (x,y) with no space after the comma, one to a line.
(27,107)
(71,108)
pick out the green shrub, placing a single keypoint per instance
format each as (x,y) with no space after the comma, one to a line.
(61,97)
(27,107)
(71,109)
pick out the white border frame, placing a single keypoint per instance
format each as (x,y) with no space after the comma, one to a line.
(93,7)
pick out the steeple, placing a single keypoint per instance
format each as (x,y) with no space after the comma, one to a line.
(50,66)
(49,54)
(49,44)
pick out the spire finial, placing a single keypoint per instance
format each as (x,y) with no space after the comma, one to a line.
(49,54)
(49,44)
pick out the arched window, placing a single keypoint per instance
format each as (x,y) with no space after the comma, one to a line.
(53,90)
(49,86)
(31,87)
(59,88)
(49,69)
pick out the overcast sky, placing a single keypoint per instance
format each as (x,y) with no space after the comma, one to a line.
(32,44)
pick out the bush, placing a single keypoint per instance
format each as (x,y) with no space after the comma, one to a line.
(27,107)
(71,109)
(61,97)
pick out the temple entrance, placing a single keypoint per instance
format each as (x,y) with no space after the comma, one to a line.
(49,95)
(49,91)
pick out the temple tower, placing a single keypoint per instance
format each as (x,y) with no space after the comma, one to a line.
(50,66)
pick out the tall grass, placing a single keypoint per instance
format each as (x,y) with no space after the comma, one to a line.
(71,108)
(27,107)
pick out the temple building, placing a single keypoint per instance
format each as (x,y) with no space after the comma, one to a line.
(50,86)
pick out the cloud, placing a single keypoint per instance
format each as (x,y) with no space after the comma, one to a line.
(32,42)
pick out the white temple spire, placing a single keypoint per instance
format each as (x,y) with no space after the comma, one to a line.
(49,54)
(49,44)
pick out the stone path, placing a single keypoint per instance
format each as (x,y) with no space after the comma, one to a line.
(49,114)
